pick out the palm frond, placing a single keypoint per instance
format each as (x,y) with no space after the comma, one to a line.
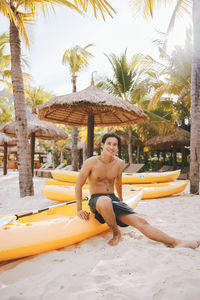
(98,5)
(77,58)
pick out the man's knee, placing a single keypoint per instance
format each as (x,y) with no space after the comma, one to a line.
(140,222)
(103,202)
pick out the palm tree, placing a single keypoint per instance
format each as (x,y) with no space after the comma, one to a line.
(121,84)
(195,103)
(36,96)
(172,78)
(182,7)
(20,13)
(77,59)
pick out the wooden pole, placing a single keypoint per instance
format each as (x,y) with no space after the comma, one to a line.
(5,158)
(90,136)
(32,151)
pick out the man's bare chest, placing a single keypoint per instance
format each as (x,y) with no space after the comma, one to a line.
(105,172)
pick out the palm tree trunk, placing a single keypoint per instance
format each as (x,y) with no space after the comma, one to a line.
(195,102)
(23,147)
(74,136)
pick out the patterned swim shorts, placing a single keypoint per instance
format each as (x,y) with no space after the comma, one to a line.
(119,207)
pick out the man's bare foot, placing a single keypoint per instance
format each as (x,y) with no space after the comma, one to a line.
(187,244)
(115,240)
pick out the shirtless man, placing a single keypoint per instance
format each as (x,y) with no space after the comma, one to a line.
(103,172)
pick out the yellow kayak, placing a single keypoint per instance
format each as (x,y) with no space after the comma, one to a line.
(49,181)
(151,191)
(159,190)
(150,177)
(65,175)
(52,229)
(127,178)
(61,193)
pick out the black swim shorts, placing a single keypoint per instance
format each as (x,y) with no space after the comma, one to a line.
(119,207)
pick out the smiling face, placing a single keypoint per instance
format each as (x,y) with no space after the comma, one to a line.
(110,147)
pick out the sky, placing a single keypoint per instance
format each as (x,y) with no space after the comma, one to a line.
(50,36)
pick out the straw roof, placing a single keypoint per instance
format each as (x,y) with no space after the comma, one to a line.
(6,139)
(42,129)
(73,109)
(180,138)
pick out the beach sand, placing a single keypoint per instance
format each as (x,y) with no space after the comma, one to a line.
(136,269)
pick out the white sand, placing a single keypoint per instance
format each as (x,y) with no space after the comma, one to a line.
(136,269)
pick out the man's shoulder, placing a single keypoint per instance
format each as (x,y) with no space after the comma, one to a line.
(90,160)
(119,160)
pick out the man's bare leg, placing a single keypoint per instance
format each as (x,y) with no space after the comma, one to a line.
(104,207)
(155,234)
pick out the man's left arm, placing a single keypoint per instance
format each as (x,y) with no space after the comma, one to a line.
(118,182)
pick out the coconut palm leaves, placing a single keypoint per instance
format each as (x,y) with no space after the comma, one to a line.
(77,58)
(137,81)
(173,79)
(123,78)
(6,109)
(147,8)
(5,64)
(36,96)
(122,83)
(184,6)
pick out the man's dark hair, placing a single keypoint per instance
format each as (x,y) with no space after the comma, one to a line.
(111,134)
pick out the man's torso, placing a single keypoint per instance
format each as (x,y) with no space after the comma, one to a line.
(102,176)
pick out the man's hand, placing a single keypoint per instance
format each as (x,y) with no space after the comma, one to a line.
(83,215)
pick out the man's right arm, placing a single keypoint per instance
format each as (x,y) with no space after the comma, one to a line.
(82,177)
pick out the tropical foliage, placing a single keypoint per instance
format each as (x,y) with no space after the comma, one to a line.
(183,7)
(6,109)
(21,14)
(36,96)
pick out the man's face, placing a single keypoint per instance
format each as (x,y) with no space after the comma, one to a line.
(110,147)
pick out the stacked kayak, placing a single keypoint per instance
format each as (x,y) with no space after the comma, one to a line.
(150,191)
(155,184)
(159,190)
(127,178)
(54,228)
(152,177)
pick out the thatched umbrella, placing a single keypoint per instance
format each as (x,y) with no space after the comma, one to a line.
(37,129)
(91,107)
(178,139)
(6,142)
